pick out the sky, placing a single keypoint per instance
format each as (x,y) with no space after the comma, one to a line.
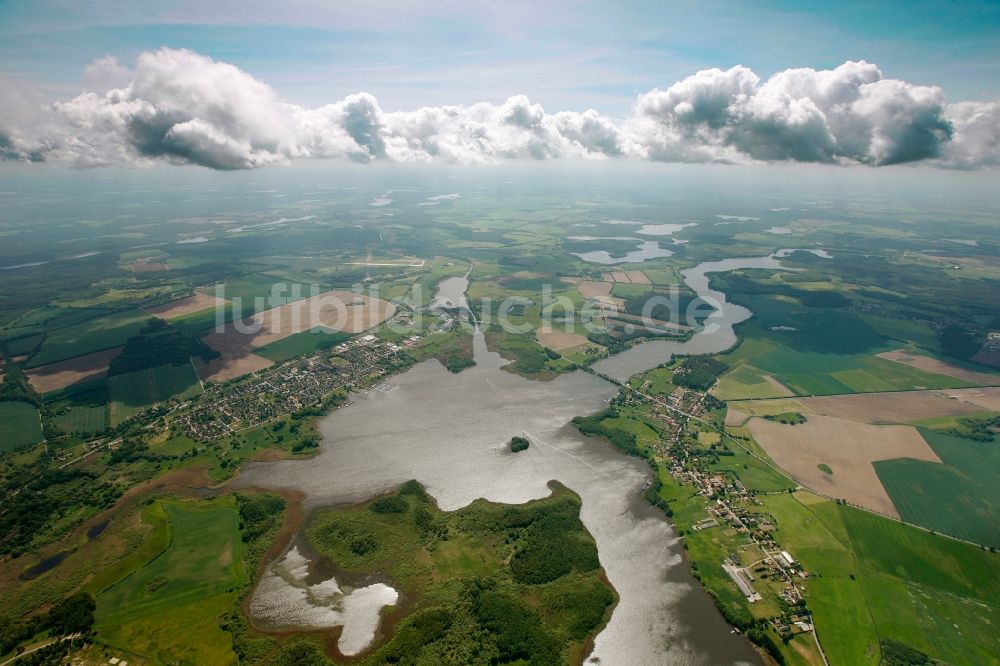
(607,57)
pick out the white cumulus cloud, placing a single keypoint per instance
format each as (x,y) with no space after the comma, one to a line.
(178,106)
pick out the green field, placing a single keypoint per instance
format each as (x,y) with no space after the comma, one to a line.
(21,425)
(810,372)
(659,381)
(753,474)
(960,497)
(662,276)
(82,419)
(307,342)
(92,335)
(137,391)
(200,322)
(169,609)
(871,578)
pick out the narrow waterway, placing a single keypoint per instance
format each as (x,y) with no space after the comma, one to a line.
(450,432)
(716,335)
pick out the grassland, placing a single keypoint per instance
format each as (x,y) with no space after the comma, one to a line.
(812,372)
(306,342)
(182,592)
(960,497)
(82,419)
(21,425)
(136,391)
(487,582)
(754,474)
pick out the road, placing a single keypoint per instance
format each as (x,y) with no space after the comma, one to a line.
(38,647)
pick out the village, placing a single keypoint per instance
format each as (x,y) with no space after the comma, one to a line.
(760,568)
(290,387)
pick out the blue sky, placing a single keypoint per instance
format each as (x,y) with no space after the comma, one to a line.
(569,55)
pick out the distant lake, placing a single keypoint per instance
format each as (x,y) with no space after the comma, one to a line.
(647,250)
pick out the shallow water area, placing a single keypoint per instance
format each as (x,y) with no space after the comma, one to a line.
(286,600)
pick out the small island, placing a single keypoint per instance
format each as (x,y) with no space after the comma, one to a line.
(518,444)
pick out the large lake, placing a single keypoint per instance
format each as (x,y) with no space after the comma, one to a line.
(450,432)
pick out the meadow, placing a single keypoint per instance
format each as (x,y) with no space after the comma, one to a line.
(306,342)
(960,497)
(21,425)
(182,591)
(766,367)
(529,358)
(82,419)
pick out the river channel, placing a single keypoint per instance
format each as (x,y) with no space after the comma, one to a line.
(450,432)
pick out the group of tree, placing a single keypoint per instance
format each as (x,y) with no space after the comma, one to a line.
(518,444)
(698,372)
(158,343)
(16,387)
(72,615)
(594,425)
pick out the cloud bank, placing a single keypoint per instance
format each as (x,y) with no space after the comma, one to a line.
(184,108)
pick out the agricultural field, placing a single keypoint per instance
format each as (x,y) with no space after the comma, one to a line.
(93,335)
(239,344)
(77,370)
(954,494)
(937,366)
(182,591)
(872,578)
(134,392)
(21,425)
(769,369)
(848,448)
(306,342)
(196,303)
(81,419)
(960,496)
